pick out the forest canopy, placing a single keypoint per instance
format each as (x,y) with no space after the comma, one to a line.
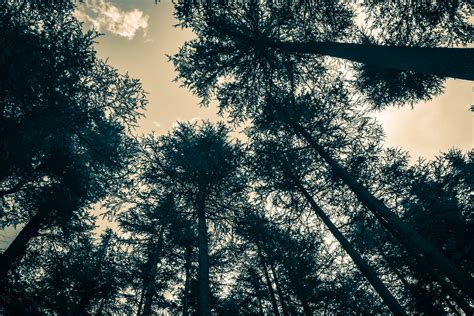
(305,212)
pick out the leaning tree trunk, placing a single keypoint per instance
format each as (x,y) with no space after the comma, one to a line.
(17,248)
(439,61)
(363,266)
(408,236)
(204,289)
(152,265)
(269,282)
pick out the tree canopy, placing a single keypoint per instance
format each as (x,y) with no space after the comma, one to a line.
(304,212)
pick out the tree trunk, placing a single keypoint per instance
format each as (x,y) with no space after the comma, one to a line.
(153,263)
(402,231)
(187,279)
(17,248)
(269,282)
(439,61)
(204,289)
(366,270)
(279,291)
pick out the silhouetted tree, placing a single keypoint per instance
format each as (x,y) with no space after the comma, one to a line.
(248,45)
(283,169)
(200,166)
(64,121)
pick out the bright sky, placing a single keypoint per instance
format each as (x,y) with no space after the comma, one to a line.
(139,34)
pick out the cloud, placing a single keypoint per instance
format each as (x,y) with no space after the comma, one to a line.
(105,16)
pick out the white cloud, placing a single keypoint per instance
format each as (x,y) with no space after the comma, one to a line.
(105,16)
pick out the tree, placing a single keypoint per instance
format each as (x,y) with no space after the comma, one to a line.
(71,114)
(295,261)
(201,167)
(282,167)
(390,176)
(245,74)
(67,274)
(405,234)
(149,226)
(249,45)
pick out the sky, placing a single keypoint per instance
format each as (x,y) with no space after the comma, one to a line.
(138,36)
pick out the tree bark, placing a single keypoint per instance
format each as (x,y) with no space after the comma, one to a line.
(17,248)
(269,282)
(153,263)
(204,289)
(366,270)
(402,231)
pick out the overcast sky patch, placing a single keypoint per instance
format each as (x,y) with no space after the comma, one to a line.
(105,16)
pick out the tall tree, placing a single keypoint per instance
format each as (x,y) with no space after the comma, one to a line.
(284,169)
(407,235)
(149,226)
(247,45)
(71,114)
(244,74)
(295,261)
(201,167)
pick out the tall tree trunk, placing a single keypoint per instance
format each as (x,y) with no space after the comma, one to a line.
(204,289)
(153,266)
(301,296)
(402,231)
(269,282)
(440,61)
(102,250)
(366,270)
(187,279)
(17,248)
(88,295)
(279,291)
